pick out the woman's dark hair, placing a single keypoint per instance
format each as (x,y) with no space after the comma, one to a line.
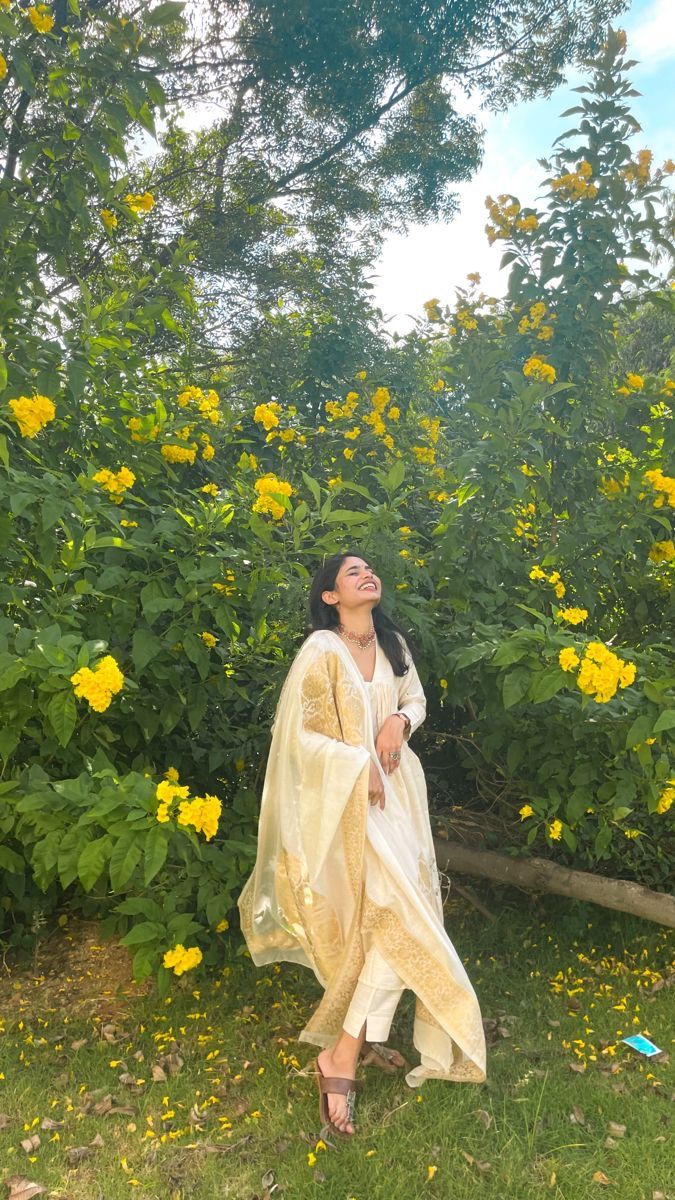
(325,616)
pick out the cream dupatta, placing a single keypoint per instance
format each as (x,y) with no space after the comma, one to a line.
(335,875)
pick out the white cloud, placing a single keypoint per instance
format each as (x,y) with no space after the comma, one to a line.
(651,34)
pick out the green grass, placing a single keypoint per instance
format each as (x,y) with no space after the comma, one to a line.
(241,1105)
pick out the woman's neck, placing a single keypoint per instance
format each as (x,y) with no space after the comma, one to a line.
(359,621)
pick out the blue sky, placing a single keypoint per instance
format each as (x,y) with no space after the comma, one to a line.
(432,260)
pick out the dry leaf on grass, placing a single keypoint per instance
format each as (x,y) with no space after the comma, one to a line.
(77,1154)
(159,1074)
(31,1143)
(484,1117)
(616,1130)
(482,1166)
(47,1123)
(78,1044)
(22,1189)
(5,1121)
(577,1116)
(600,1177)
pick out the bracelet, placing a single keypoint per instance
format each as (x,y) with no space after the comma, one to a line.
(406,719)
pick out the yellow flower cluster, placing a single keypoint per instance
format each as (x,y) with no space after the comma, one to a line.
(135,424)
(168,791)
(425,454)
(536,368)
(522,526)
(432,428)
(207,402)
(568,658)
(635,382)
(334,410)
(640,170)
(209,639)
(202,813)
(40,18)
(611,487)
(267,415)
(3,66)
(664,484)
(180,960)
(466,319)
(504,213)
(574,616)
(32,413)
(662,551)
(100,685)
(179,454)
(554,578)
(538,313)
(575,185)
(227,588)
(269,487)
(115,483)
(140,201)
(210,489)
(555,830)
(432,310)
(667,797)
(601,672)
(109,218)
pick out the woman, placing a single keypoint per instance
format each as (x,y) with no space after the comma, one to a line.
(345,880)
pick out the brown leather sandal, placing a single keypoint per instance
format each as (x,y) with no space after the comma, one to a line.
(344,1087)
(375,1054)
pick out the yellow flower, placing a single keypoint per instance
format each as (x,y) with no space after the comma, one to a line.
(40,18)
(574,615)
(115,483)
(666,798)
(181,454)
(394,413)
(99,686)
(424,454)
(202,813)
(311,1158)
(568,658)
(438,385)
(431,309)
(555,830)
(269,487)
(662,551)
(526,811)
(182,960)
(208,453)
(32,413)
(208,639)
(361,375)
(352,434)
(635,382)
(3,66)
(537,573)
(109,218)
(210,489)
(444,684)
(172,775)
(380,399)
(431,1171)
(536,368)
(140,201)
(222,926)
(129,524)
(266,414)
(348,453)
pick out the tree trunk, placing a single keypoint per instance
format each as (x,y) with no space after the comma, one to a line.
(540,875)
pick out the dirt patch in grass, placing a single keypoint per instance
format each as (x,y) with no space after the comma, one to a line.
(72,971)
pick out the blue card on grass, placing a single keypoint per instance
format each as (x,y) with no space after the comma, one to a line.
(642,1044)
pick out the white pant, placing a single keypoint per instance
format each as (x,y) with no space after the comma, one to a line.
(375,999)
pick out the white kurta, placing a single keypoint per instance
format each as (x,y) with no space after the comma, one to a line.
(337,877)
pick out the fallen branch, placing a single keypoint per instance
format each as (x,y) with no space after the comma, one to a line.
(540,875)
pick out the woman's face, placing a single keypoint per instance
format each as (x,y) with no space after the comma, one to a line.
(356,585)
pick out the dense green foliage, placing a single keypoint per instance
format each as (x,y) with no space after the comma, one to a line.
(163,499)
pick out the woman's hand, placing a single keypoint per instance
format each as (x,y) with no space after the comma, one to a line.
(375,786)
(389,741)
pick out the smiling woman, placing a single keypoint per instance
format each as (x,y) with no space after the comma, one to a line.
(345,880)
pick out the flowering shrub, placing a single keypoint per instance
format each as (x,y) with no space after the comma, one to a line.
(159,523)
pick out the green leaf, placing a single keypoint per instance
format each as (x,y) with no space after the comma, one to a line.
(395,476)
(665,721)
(92,860)
(146,931)
(11,861)
(11,670)
(124,860)
(23,71)
(639,730)
(145,646)
(62,713)
(156,849)
(515,686)
(313,487)
(170,10)
(509,652)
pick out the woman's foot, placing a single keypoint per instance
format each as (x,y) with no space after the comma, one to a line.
(344,1068)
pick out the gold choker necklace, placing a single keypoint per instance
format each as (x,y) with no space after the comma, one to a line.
(364,640)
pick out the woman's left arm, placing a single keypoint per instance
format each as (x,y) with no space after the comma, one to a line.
(411,699)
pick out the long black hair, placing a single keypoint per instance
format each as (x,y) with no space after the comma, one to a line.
(325,616)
